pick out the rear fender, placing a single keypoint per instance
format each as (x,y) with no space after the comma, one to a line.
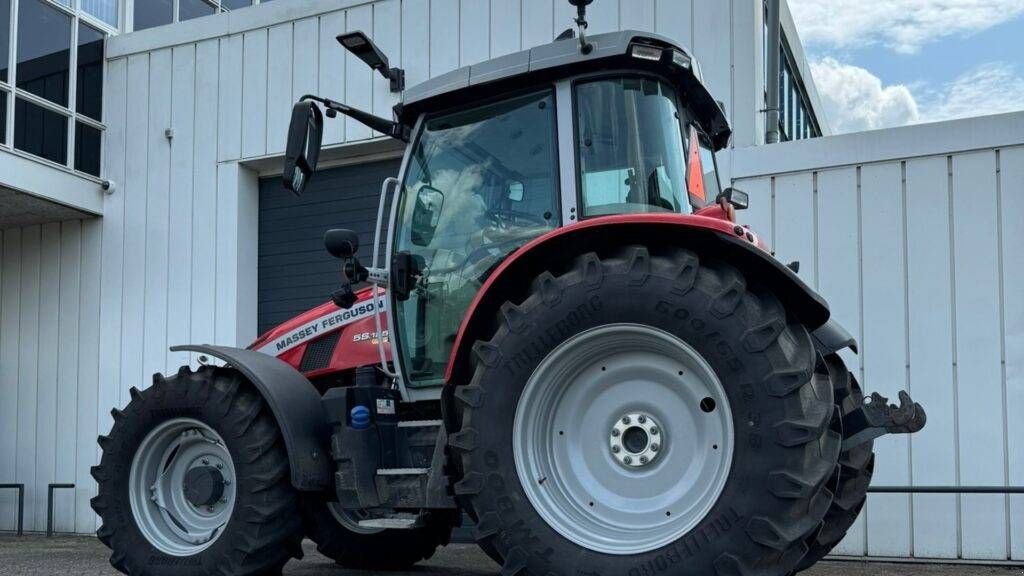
(831,337)
(709,237)
(296,406)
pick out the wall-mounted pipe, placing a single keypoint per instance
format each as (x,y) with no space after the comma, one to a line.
(773,73)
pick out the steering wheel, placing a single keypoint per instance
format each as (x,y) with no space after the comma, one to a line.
(505,218)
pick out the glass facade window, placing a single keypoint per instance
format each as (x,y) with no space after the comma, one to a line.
(44,50)
(89,87)
(104,10)
(189,9)
(153,13)
(236,4)
(5,38)
(40,131)
(51,99)
(87,148)
(3,117)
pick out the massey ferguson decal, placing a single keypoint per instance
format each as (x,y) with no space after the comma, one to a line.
(323,325)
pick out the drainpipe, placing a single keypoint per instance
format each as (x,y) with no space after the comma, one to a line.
(773,72)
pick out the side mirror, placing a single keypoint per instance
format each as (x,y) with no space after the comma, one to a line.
(426,215)
(303,150)
(341,243)
(735,197)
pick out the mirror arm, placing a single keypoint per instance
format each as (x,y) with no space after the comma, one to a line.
(388,127)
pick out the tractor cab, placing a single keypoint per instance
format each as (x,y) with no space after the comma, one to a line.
(503,152)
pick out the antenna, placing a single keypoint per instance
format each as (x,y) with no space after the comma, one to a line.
(581,22)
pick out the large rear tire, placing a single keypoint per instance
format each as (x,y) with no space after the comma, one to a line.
(194,479)
(617,353)
(338,536)
(852,476)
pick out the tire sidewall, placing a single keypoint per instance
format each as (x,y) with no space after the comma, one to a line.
(658,303)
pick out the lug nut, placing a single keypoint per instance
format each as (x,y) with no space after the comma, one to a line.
(206,461)
(626,420)
(642,419)
(616,449)
(220,466)
(655,447)
(643,459)
(654,430)
(616,433)
(627,460)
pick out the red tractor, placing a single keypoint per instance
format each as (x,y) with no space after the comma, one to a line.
(563,333)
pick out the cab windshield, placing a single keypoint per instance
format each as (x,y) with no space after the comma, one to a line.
(635,148)
(480,183)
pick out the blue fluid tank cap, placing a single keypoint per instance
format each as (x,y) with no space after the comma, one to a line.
(360,417)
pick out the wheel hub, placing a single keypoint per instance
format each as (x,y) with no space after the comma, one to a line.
(636,440)
(203,486)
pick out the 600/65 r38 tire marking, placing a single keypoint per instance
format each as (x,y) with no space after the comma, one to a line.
(212,415)
(784,451)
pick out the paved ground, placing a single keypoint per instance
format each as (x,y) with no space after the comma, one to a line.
(79,556)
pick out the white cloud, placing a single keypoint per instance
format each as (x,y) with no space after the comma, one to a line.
(902,25)
(855,99)
(990,88)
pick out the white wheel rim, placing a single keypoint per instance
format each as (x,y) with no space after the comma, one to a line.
(564,439)
(157,487)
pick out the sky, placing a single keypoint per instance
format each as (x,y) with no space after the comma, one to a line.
(884,63)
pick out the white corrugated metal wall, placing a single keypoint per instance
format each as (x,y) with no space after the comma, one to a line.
(913,235)
(173,258)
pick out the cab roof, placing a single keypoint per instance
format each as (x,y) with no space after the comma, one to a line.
(563,59)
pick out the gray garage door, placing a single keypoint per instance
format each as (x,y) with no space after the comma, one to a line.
(295,273)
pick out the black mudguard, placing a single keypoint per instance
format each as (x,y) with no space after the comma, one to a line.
(296,406)
(831,337)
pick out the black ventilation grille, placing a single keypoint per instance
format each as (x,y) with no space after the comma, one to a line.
(319,351)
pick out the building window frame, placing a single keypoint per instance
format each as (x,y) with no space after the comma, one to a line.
(128,15)
(14,93)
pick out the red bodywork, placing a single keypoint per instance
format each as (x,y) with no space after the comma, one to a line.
(357,344)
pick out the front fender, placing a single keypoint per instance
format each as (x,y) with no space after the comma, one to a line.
(709,237)
(831,337)
(296,406)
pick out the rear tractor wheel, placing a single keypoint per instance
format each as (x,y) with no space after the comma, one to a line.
(194,480)
(667,419)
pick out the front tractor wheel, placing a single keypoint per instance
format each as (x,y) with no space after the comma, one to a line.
(194,480)
(667,419)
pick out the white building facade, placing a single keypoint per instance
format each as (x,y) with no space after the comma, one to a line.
(192,242)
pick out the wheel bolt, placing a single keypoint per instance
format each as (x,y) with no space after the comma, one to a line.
(626,420)
(616,449)
(627,460)
(642,419)
(643,459)
(206,461)
(655,447)
(220,466)
(616,433)
(654,431)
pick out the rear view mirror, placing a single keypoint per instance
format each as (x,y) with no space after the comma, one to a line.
(426,215)
(303,150)
(735,197)
(341,243)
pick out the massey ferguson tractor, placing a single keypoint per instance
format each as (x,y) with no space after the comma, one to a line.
(563,334)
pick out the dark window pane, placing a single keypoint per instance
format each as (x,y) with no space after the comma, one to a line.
(89,94)
(235,4)
(40,131)
(150,13)
(5,37)
(189,9)
(87,149)
(3,117)
(44,51)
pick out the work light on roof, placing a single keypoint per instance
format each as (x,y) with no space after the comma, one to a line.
(644,52)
